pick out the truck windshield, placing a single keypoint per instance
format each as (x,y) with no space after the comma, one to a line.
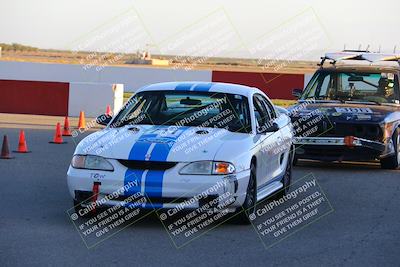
(188,108)
(353,86)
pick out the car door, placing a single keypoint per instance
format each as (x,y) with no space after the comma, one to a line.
(264,170)
(273,146)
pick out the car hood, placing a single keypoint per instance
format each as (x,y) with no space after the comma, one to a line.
(155,143)
(346,111)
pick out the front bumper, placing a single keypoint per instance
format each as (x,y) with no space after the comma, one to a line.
(176,190)
(339,148)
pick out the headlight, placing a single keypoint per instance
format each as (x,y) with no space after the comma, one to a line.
(387,130)
(208,168)
(91,163)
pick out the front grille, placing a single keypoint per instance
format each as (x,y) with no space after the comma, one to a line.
(331,128)
(312,127)
(147,165)
(366,131)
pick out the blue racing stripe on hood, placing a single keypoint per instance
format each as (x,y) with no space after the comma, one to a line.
(140,148)
(161,150)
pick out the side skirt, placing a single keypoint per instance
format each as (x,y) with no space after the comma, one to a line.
(269,189)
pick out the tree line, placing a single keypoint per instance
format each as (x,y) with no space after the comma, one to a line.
(17,47)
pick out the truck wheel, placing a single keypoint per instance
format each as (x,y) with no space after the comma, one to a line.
(393,162)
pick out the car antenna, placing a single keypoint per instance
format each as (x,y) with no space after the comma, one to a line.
(322,62)
(367,49)
(394,49)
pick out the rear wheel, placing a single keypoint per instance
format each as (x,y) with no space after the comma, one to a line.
(249,205)
(393,162)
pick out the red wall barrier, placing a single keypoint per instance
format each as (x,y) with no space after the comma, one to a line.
(275,85)
(31,97)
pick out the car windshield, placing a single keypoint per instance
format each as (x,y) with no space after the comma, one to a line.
(353,86)
(189,108)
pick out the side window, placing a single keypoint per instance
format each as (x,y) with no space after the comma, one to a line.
(268,107)
(396,87)
(312,87)
(325,86)
(260,112)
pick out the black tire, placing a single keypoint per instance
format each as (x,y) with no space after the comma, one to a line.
(393,162)
(286,180)
(249,205)
(78,207)
(295,159)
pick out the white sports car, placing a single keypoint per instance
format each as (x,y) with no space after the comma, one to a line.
(174,141)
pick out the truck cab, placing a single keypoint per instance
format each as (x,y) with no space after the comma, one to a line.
(350,110)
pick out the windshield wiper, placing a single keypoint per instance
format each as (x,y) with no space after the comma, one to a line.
(364,102)
(331,100)
(322,100)
(133,121)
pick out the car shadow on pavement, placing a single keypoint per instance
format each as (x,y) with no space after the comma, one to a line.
(338,165)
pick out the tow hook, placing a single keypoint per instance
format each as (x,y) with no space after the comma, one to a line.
(96,190)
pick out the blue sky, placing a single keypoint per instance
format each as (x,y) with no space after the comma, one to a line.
(69,24)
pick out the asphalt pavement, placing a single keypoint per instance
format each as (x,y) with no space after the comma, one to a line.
(363,228)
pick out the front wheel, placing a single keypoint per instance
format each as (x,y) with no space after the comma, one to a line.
(249,205)
(79,209)
(393,162)
(295,160)
(287,179)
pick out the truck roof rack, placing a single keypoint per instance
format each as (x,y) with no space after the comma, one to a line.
(359,55)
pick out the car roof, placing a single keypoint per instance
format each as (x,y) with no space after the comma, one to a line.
(360,68)
(355,60)
(202,87)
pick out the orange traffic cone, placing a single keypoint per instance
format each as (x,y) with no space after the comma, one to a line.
(58,137)
(108,111)
(22,147)
(5,151)
(81,123)
(66,131)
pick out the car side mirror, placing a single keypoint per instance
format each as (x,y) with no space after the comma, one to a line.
(297,92)
(273,128)
(103,119)
(269,128)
